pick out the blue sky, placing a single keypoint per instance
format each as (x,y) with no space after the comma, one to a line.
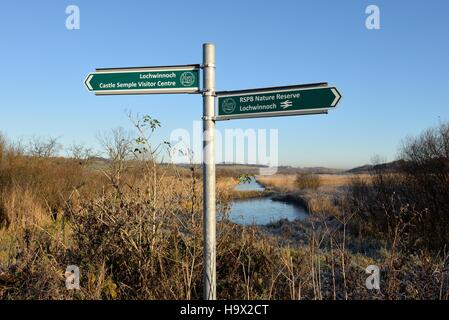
(394,80)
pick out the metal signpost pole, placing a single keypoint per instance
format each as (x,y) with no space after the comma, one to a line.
(209,213)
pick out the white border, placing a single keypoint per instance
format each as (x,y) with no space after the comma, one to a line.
(255,92)
(147,69)
(146,91)
(272,114)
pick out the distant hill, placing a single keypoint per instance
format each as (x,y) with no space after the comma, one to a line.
(389,166)
(317,170)
(101,163)
(320,170)
(280,169)
(361,169)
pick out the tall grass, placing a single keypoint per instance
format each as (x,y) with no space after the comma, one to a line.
(307,181)
(38,188)
(416,197)
(135,230)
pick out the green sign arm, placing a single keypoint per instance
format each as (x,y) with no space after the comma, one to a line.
(175,79)
(279,101)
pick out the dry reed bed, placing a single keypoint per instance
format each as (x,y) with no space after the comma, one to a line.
(140,240)
(137,234)
(286,183)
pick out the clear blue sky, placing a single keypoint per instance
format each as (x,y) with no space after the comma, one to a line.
(394,80)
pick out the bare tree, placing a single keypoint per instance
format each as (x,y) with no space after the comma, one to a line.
(44,148)
(81,153)
(426,183)
(118,147)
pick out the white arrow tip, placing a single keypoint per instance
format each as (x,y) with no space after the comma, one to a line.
(337,97)
(87,82)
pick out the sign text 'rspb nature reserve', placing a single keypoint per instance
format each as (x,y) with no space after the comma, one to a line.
(283,100)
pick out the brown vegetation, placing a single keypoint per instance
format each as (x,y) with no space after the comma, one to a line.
(286,183)
(134,228)
(307,181)
(415,199)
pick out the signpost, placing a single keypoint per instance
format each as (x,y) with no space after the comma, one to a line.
(255,103)
(172,79)
(279,101)
(209,213)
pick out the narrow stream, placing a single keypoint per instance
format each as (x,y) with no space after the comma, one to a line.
(262,211)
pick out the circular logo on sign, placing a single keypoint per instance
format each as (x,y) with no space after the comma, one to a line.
(187,79)
(228,105)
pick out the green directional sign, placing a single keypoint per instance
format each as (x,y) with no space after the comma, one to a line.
(279,101)
(174,79)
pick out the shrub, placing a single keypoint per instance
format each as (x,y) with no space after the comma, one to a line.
(32,187)
(415,198)
(307,181)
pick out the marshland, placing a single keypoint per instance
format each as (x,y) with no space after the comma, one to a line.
(133,224)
